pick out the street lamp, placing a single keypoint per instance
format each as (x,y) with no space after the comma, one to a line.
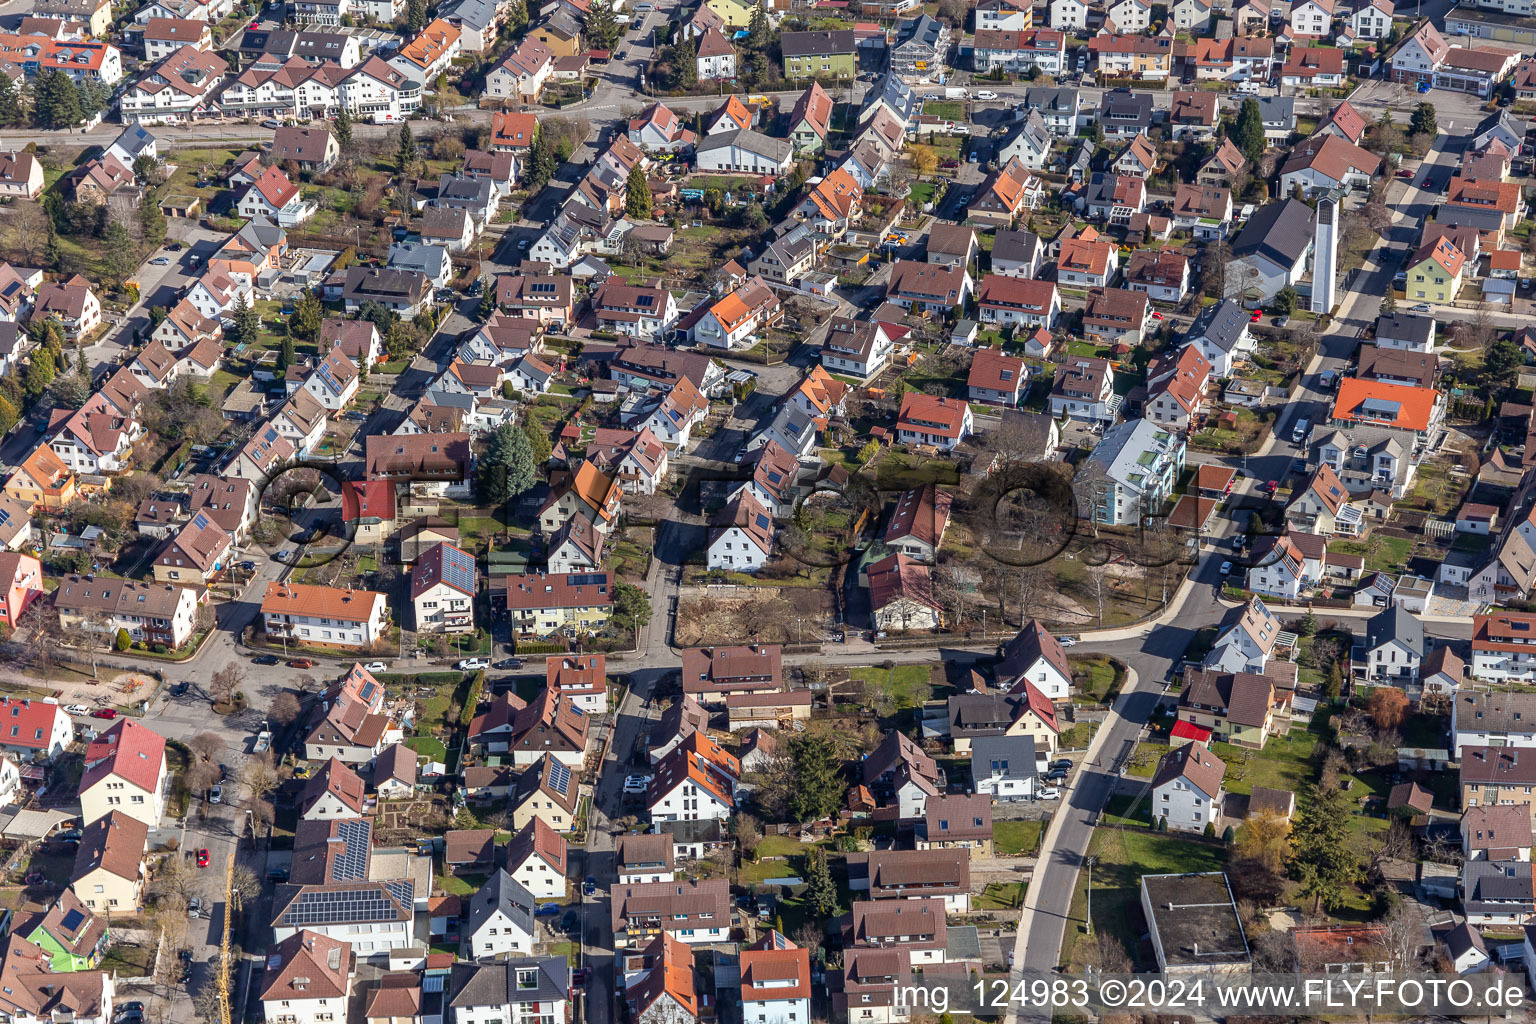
(1090,894)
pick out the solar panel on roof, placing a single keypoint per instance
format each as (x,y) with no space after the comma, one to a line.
(458,570)
(200,521)
(586,578)
(763,522)
(72,920)
(559,778)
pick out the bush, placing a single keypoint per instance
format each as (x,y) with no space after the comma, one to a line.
(157,648)
(123,641)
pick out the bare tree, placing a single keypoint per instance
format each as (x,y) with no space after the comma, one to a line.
(26,232)
(243,886)
(226,681)
(259,777)
(285,708)
(177,881)
(200,776)
(206,745)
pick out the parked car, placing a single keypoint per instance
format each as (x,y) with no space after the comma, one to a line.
(264,659)
(107,713)
(986,94)
(194,911)
(131,1005)
(1067,641)
(547,909)
(72,834)
(1226,568)
(1055,775)
(269,123)
(579,977)
(160,261)
(473,664)
(1061,763)
(636,784)
(1422,307)
(216,794)
(1272,487)
(35,878)
(589,887)
(300,663)
(78,709)
(376,666)
(202,858)
(509,663)
(248,566)
(1048,793)
(1281,321)
(1256,316)
(568,922)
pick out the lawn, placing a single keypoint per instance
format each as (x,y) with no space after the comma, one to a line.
(1285,762)
(1016,838)
(1124,809)
(907,684)
(949,111)
(999,896)
(1381,553)
(459,885)
(430,746)
(1079,736)
(126,961)
(1120,859)
(1098,678)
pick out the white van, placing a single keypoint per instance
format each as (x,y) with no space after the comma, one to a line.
(1248,88)
(1299,432)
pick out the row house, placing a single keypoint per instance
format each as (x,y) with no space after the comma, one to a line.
(430,53)
(637,311)
(1161,274)
(1016,51)
(179,89)
(82,61)
(1132,56)
(522,74)
(1018,301)
(152,613)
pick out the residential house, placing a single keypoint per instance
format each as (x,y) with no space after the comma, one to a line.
(1187,788)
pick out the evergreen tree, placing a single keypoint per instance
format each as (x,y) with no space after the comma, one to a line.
(8,415)
(405,156)
(601,27)
(151,222)
(1425,120)
(307,315)
(285,354)
(1248,133)
(342,129)
(57,102)
(487,303)
(759,33)
(247,322)
(1323,859)
(92,97)
(10,104)
(82,364)
(1389,303)
(120,256)
(637,195)
(542,447)
(817,775)
(508,468)
(685,62)
(542,162)
(40,373)
(416,15)
(517,15)
(820,890)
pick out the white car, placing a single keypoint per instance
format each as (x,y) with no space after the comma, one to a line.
(77,709)
(986,94)
(376,666)
(636,784)
(1226,568)
(216,794)
(473,664)
(1048,793)
(1067,641)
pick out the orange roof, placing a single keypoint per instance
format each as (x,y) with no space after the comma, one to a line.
(1504,259)
(46,468)
(772,974)
(431,44)
(327,602)
(513,131)
(837,195)
(1086,255)
(1378,401)
(1444,252)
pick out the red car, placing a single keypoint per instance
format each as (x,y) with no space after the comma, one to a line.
(1272,487)
(202,858)
(1258,315)
(1156,315)
(301,663)
(1405,174)
(107,713)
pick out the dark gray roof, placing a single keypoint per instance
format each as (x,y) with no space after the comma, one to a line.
(320,45)
(924,31)
(1463,939)
(752,142)
(500,892)
(1278,110)
(1008,757)
(1501,121)
(1222,325)
(1395,623)
(1486,881)
(1469,217)
(1280,232)
(801,44)
(895,93)
(256,42)
(497,984)
(1045,98)
(1015,245)
(705,830)
(1409,327)
(1124,107)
